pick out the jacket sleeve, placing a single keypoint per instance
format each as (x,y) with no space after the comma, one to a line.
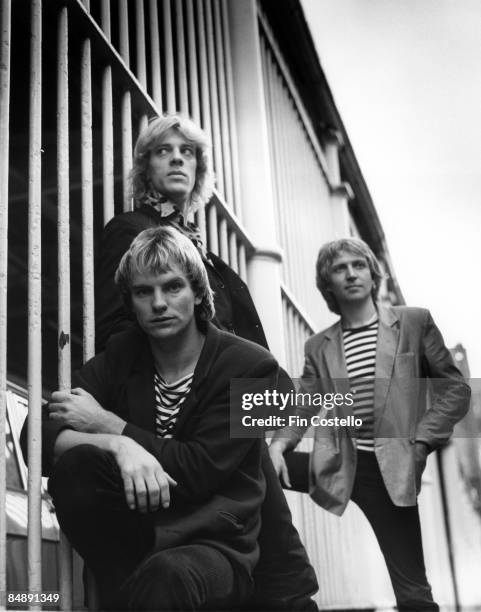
(202,462)
(111,314)
(450,394)
(309,384)
(93,378)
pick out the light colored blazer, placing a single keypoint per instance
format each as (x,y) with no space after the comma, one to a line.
(409,349)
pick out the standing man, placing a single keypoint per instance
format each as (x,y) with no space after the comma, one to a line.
(379,354)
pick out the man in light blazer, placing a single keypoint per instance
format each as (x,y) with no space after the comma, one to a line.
(379,358)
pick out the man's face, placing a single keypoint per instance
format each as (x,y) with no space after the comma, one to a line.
(172,166)
(164,303)
(350,279)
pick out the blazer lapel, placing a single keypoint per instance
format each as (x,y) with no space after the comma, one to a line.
(387,342)
(334,358)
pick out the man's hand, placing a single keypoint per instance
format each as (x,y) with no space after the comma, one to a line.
(146,484)
(421,455)
(276,451)
(82,412)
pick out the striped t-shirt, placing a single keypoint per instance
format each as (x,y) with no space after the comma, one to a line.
(169,398)
(360,355)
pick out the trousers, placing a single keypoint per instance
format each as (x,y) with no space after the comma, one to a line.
(116,543)
(397,529)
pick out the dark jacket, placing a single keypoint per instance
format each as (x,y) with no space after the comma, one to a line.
(235,310)
(220,483)
(221,480)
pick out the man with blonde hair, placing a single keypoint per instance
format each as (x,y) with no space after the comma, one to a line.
(375,356)
(151,490)
(171,178)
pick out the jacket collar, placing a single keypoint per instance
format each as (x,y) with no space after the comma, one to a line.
(388,336)
(140,386)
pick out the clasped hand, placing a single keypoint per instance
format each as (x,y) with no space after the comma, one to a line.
(146,484)
(78,409)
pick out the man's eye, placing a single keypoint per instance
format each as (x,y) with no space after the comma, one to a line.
(188,152)
(161,151)
(141,292)
(360,265)
(175,287)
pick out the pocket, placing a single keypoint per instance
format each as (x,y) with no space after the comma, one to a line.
(232,519)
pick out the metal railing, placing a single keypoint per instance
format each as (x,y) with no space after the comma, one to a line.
(111,71)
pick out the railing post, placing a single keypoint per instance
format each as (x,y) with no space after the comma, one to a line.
(255,183)
(5,43)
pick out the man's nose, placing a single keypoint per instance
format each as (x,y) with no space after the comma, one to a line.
(350,271)
(158,301)
(176,157)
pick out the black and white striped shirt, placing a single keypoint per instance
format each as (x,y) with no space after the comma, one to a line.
(169,398)
(360,354)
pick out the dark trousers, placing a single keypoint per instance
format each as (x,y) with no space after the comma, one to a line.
(116,543)
(397,529)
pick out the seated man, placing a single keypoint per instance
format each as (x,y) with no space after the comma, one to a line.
(150,489)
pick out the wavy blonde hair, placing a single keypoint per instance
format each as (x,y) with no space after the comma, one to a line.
(151,136)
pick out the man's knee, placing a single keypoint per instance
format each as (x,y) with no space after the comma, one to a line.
(78,476)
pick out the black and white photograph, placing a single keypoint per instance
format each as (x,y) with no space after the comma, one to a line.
(240,359)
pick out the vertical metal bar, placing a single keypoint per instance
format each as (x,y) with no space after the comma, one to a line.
(201,224)
(203,72)
(223,240)
(242,263)
(234,264)
(126,149)
(223,110)
(35,303)
(87,201)
(105,17)
(107,145)
(181,63)
(124,32)
(63,236)
(169,56)
(143,122)
(64,372)
(212,229)
(86,164)
(214,102)
(140,39)
(237,203)
(5,43)
(203,78)
(192,59)
(155,55)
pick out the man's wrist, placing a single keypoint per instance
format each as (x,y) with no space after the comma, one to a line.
(279,445)
(111,424)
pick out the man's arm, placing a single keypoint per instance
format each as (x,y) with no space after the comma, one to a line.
(287,438)
(451,393)
(146,484)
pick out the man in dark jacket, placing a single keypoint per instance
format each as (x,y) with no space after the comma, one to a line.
(160,501)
